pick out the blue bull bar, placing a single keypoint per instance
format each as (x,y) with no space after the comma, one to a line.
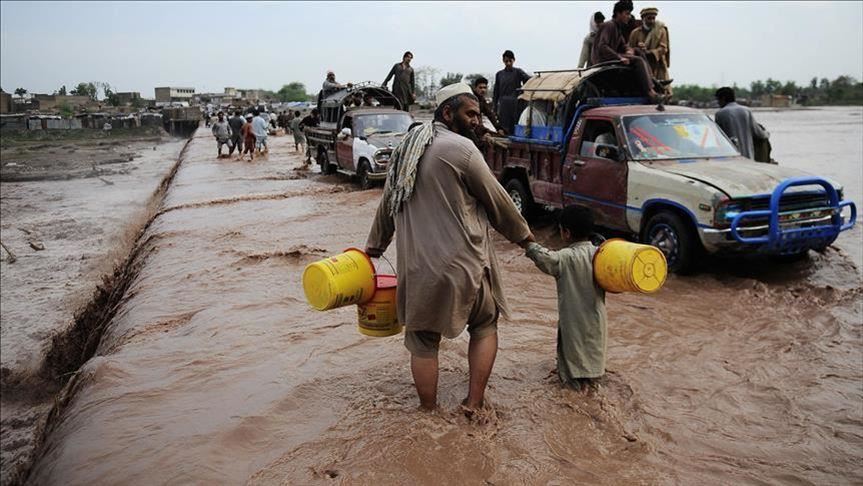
(795,240)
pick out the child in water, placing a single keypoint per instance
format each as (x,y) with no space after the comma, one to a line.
(581,327)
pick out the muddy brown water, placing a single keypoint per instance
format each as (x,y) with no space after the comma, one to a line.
(215,371)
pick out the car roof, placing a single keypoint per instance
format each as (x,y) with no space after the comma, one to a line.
(371,110)
(623,110)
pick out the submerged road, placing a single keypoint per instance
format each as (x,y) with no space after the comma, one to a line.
(215,370)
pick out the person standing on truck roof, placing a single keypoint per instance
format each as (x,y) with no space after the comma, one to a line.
(611,45)
(651,42)
(404,87)
(507,81)
(587,45)
(480,89)
(441,199)
(236,123)
(738,123)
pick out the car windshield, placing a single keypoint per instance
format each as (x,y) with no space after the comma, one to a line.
(365,125)
(675,136)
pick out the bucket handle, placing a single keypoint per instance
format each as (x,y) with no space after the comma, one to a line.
(388,262)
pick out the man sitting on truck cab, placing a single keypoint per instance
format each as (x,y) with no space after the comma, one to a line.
(611,45)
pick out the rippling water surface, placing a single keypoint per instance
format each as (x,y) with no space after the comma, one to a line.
(215,371)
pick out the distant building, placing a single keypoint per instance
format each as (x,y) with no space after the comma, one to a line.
(776,101)
(46,102)
(231,93)
(5,102)
(127,98)
(170,95)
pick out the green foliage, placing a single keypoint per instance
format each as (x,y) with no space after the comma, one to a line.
(85,89)
(844,90)
(62,91)
(65,109)
(450,78)
(295,91)
(20,91)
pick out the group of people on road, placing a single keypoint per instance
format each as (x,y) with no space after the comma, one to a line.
(248,135)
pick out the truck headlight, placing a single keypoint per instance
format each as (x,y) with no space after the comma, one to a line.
(382,156)
(727,211)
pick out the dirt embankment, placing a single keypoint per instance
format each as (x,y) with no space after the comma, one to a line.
(70,154)
(71,213)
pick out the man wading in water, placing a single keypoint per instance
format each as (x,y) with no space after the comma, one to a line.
(440,198)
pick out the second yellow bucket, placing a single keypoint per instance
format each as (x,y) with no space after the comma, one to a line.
(345,279)
(622,266)
(379,317)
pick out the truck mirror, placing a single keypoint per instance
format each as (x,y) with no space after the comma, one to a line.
(611,152)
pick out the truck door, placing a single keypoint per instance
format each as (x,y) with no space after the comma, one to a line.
(595,172)
(345,145)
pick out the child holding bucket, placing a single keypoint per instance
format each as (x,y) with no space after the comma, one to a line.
(581,327)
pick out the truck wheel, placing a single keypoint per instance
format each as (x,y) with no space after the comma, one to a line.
(520,197)
(324,162)
(363,175)
(676,239)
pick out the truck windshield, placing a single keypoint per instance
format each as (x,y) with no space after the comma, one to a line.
(675,136)
(365,125)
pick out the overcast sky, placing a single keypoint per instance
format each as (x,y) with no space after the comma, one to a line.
(137,46)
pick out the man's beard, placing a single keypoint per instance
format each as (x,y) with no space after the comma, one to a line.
(464,129)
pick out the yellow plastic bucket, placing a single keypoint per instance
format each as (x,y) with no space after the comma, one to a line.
(622,266)
(378,316)
(345,279)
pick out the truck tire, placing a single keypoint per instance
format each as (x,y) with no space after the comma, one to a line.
(520,197)
(363,175)
(324,162)
(675,238)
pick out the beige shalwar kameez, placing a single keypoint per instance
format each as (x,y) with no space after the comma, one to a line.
(444,245)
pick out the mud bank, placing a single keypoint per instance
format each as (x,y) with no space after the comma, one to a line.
(214,370)
(67,238)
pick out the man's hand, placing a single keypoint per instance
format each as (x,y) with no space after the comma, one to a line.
(630,51)
(530,239)
(624,60)
(502,132)
(374,252)
(641,45)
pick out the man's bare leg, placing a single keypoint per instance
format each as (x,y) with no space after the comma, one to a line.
(425,373)
(481,353)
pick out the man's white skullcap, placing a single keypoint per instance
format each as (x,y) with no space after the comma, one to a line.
(451,90)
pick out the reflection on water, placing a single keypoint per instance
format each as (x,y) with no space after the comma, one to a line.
(215,370)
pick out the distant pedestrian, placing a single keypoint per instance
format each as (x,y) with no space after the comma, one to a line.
(738,124)
(260,127)
(299,136)
(248,139)
(404,87)
(312,120)
(507,81)
(222,132)
(587,45)
(236,123)
(650,41)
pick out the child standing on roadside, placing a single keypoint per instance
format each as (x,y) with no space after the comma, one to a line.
(581,328)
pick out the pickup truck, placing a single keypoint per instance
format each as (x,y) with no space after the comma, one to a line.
(667,176)
(358,130)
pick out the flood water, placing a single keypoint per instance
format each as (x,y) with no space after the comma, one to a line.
(215,370)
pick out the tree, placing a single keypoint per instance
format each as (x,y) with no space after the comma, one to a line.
(295,91)
(425,79)
(85,89)
(757,88)
(20,91)
(62,91)
(450,78)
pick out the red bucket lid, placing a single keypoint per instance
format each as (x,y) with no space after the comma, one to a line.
(386,281)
